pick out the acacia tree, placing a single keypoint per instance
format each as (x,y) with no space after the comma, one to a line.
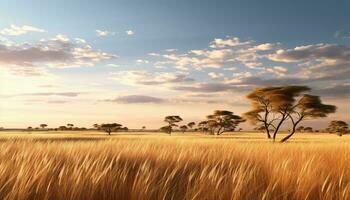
(183,128)
(308,129)
(272,106)
(70,126)
(222,121)
(339,127)
(43,126)
(308,106)
(300,129)
(171,120)
(203,126)
(108,128)
(191,125)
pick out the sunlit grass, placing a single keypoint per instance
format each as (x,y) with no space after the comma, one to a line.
(91,165)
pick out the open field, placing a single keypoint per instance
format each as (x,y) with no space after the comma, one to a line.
(90,165)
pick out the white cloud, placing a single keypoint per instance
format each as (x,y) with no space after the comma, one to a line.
(104,33)
(112,65)
(130,32)
(141,61)
(14,30)
(215,75)
(147,78)
(59,52)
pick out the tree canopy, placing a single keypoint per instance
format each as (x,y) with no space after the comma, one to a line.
(272,106)
(222,120)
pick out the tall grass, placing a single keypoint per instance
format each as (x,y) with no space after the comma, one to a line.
(172,168)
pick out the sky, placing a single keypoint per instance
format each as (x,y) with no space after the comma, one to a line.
(134,62)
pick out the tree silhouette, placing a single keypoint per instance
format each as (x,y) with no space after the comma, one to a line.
(183,128)
(308,129)
(308,106)
(143,128)
(203,126)
(300,129)
(272,106)
(339,127)
(191,125)
(43,126)
(108,128)
(171,120)
(222,121)
(96,126)
(70,126)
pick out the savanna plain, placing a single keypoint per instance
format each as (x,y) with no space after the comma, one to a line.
(89,165)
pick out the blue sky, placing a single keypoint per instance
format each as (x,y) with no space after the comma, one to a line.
(171,55)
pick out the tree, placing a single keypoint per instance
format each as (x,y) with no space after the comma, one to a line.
(308,106)
(172,120)
(108,128)
(183,128)
(339,127)
(222,121)
(300,129)
(308,129)
(260,128)
(62,128)
(272,106)
(96,126)
(43,126)
(29,129)
(191,125)
(143,128)
(203,126)
(70,126)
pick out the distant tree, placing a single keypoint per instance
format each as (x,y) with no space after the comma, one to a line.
(191,125)
(96,126)
(240,129)
(203,126)
(338,127)
(308,129)
(70,126)
(29,129)
(62,128)
(183,128)
(260,128)
(165,129)
(124,129)
(172,120)
(43,126)
(143,128)
(222,121)
(300,129)
(108,128)
(272,106)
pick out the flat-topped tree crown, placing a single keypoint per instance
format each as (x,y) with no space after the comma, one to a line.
(108,128)
(222,121)
(172,120)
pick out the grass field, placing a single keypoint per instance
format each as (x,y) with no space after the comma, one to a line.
(91,165)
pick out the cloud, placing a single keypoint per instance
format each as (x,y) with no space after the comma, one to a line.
(58,52)
(14,30)
(130,32)
(104,33)
(215,75)
(147,78)
(222,53)
(141,61)
(112,65)
(336,91)
(210,88)
(332,52)
(136,99)
(62,94)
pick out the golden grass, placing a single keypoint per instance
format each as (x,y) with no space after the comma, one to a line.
(239,166)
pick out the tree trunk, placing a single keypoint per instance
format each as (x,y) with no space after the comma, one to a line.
(278,127)
(293,130)
(267,131)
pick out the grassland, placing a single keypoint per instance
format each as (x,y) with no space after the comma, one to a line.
(90,165)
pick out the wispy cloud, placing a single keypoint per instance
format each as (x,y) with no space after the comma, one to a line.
(14,30)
